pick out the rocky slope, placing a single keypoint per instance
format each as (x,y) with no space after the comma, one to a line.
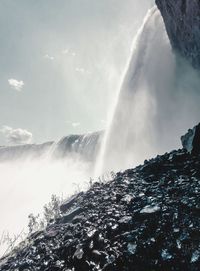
(182,21)
(147,218)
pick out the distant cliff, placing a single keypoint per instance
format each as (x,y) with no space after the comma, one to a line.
(86,146)
(12,153)
(182,21)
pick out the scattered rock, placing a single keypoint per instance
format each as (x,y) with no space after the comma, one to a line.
(131,248)
(69,203)
(147,218)
(150,209)
(166,255)
(79,252)
(69,216)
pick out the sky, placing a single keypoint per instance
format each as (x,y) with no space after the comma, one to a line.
(61,64)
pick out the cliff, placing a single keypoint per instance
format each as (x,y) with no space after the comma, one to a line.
(182,21)
(85,146)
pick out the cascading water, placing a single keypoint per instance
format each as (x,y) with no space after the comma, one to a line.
(99,167)
(159,99)
(85,146)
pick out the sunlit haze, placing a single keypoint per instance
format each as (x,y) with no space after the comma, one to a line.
(61,63)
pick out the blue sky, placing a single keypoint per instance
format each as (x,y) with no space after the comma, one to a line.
(61,64)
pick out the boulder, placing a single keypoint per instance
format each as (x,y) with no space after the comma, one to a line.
(191,140)
(69,216)
(66,205)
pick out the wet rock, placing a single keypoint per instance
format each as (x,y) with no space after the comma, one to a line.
(166,255)
(131,247)
(191,140)
(127,199)
(125,220)
(195,256)
(69,203)
(69,216)
(79,252)
(150,210)
(182,22)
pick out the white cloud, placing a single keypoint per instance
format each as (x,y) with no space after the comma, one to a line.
(15,84)
(49,57)
(82,70)
(68,52)
(65,52)
(16,136)
(75,124)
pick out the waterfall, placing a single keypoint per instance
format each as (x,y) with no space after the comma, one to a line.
(157,101)
(84,146)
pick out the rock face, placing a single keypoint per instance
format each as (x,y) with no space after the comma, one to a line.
(182,21)
(191,140)
(147,218)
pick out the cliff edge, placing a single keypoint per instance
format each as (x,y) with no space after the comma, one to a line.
(182,21)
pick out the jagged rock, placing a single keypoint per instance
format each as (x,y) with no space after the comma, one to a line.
(132,248)
(69,203)
(146,218)
(150,210)
(69,216)
(191,140)
(182,21)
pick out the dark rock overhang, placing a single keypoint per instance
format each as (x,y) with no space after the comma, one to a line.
(182,22)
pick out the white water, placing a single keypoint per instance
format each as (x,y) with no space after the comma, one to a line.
(100,164)
(85,145)
(158,101)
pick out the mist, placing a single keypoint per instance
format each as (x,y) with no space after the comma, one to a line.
(68,57)
(157,102)
(29,184)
